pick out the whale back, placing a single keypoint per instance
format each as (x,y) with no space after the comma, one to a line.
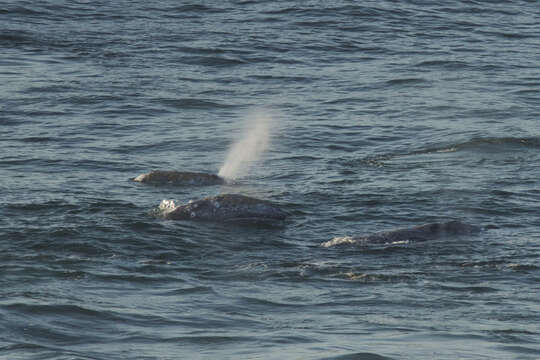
(160,177)
(423,232)
(228,207)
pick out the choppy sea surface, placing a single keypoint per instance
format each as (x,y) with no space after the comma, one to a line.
(385,115)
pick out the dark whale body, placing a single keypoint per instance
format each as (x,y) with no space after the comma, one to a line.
(424,232)
(179,178)
(227,207)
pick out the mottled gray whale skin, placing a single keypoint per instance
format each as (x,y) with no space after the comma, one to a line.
(424,232)
(226,207)
(179,178)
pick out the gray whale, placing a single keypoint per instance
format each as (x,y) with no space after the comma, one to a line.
(180,178)
(226,207)
(418,233)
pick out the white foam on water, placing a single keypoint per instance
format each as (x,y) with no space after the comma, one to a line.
(339,241)
(167,205)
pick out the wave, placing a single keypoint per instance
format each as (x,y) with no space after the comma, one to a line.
(500,265)
(349,11)
(57,309)
(41,165)
(192,103)
(523,267)
(194,8)
(467,289)
(188,291)
(266,303)
(357,356)
(217,61)
(407,81)
(34,41)
(183,11)
(21,10)
(281,78)
(15,37)
(471,10)
(377,278)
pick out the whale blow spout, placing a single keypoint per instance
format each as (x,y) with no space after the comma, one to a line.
(179,178)
(424,232)
(226,207)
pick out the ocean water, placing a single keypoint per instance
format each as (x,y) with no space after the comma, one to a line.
(383,115)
